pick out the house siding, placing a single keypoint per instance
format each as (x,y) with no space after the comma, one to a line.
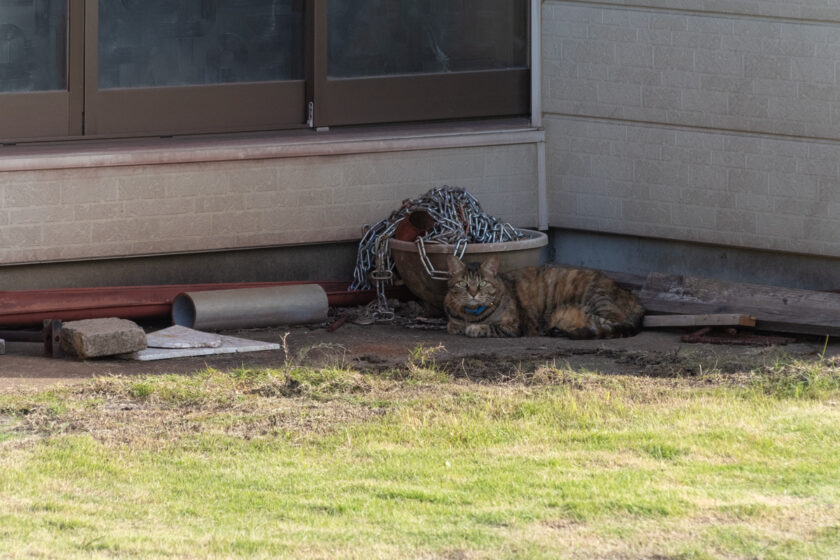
(698,121)
(71,214)
(715,125)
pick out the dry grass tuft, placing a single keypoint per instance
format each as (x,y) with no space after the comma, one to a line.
(148,411)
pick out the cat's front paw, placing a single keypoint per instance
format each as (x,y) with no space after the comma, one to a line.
(455,327)
(477,331)
(575,334)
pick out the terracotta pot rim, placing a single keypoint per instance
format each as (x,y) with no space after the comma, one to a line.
(533,239)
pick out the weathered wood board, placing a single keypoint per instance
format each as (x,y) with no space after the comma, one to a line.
(775,309)
(703,320)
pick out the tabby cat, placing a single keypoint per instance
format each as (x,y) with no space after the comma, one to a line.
(537,301)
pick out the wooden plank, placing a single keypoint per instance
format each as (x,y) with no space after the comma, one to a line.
(630,282)
(775,308)
(627,280)
(703,320)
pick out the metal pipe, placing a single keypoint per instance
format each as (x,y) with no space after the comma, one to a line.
(537,113)
(542,188)
(32,307)
(536,63)
(253,307)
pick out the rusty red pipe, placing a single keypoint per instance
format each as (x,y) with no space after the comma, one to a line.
(32,307)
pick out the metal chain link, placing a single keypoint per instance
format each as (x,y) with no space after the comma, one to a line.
(458,220)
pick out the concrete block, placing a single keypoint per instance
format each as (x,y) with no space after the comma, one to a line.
(619,94)
(674,58)
(767,66)
(735,221)
(594,52)
(91,338)
(661,98)
(651,213)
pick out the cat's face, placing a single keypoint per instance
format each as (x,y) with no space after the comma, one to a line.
(473,286)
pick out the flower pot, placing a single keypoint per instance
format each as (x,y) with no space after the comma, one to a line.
(512,255)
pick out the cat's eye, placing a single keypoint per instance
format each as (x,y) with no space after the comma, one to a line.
(482,283)
(461,284)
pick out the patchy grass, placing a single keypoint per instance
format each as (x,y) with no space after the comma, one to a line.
(336,463)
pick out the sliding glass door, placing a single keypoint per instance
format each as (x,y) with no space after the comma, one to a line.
(40,89)
(155,66)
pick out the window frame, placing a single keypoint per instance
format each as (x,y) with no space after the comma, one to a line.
(415,97)
(193,109)
(84,111)
(50,114)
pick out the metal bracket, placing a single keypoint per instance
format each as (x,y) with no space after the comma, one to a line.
(52,338)
(310,114)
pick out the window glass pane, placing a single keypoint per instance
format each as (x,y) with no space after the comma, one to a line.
(384,37)
(147,43)
(33,45)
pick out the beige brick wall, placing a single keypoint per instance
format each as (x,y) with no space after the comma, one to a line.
(711,71)
(705,186)
(115,211)
(794,9)
(716,127)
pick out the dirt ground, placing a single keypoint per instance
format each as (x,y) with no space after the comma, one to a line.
(381,346)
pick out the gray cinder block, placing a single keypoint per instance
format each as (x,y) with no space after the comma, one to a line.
(91,338)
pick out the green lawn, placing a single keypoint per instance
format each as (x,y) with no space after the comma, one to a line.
(336,463)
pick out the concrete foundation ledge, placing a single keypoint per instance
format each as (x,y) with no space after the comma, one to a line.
(84,153)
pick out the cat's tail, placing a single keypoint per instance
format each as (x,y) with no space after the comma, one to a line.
(616,315)
(633,316)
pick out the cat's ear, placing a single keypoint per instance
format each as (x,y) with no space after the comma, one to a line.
(491,266)
(454,265)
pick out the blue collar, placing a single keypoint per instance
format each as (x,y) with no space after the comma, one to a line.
(475,310)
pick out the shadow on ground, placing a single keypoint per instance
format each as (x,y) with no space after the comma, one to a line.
(382,347)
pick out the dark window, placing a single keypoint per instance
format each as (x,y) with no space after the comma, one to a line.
(422,59)
(156,67)
(33,48)
(153,43)
(385,38)
(162,67)
(37,98)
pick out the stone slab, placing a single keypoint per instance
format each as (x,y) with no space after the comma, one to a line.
(230,345)
(178,336)
(91,338)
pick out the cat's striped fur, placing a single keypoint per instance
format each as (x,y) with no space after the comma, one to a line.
(538,301)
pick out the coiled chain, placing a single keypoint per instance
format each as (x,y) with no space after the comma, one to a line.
(458,220)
